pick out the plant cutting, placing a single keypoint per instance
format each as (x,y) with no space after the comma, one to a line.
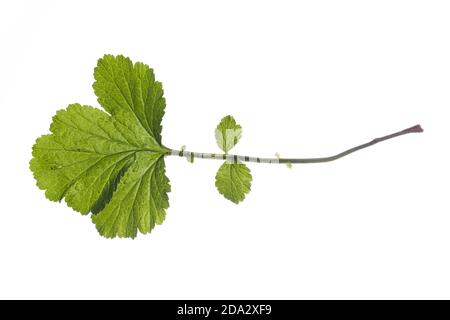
(110,162)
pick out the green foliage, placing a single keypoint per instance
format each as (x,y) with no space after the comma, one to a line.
(110,164)
(121,85)
(228,133)
(233,180)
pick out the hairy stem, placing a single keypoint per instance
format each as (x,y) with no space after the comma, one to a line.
(237,158)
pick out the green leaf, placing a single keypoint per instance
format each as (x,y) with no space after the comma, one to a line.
(121,85)
(110,165)
(234,180)
(228,133)
(139,201)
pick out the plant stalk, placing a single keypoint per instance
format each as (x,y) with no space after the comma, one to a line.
(237,158)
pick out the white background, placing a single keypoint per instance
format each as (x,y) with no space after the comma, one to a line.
(303,78)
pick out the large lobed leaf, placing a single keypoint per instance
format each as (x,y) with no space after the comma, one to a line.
(120,85)
(110,165)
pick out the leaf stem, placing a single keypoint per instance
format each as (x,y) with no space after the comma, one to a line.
(237,158)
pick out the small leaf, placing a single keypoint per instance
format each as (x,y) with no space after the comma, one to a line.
(228,133)
(233,180)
